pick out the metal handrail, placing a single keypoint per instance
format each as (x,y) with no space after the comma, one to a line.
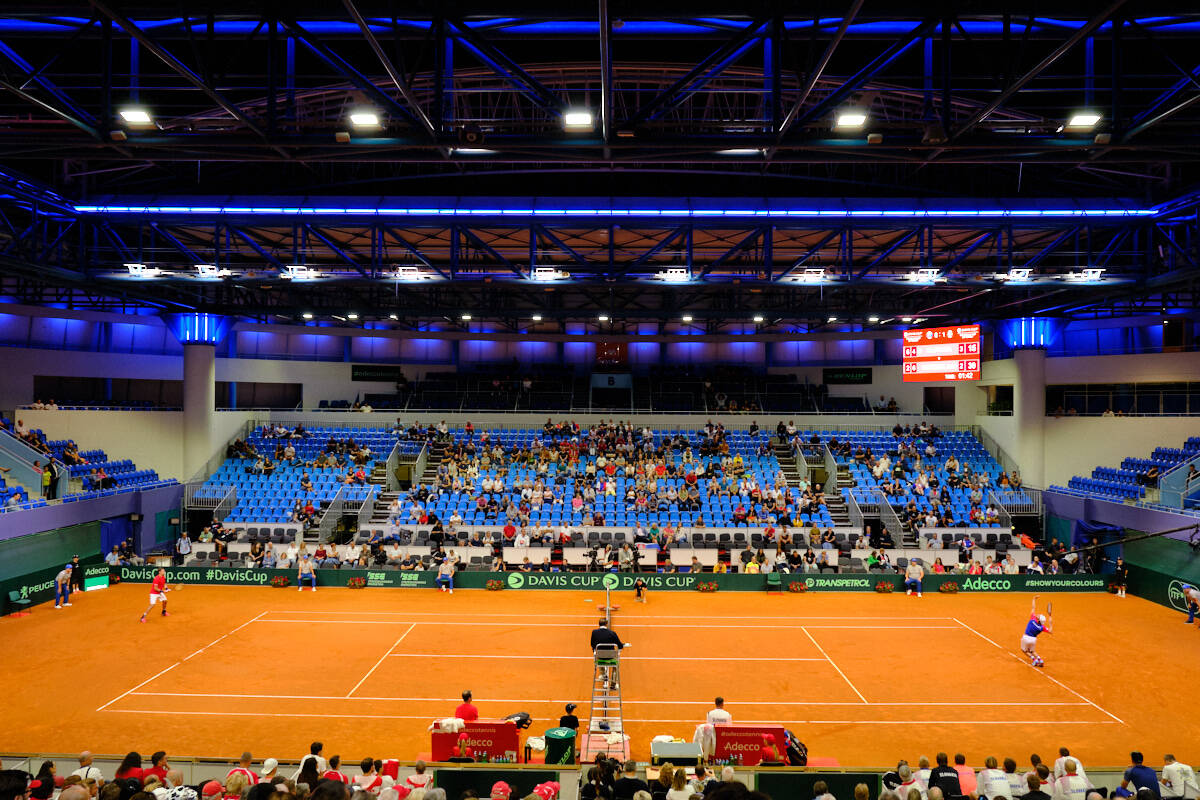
(332,515)
(852,509)
(1005,516)
(888,515)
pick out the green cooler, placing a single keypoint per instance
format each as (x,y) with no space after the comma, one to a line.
(560,746)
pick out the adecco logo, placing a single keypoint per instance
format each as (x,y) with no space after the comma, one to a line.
(516,580)
(987,584)
(1176,597)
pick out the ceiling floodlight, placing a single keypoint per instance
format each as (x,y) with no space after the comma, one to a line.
(211,271)
(759,318)
(364,119)
(352,315)
(136,116)
(411,274)
(810,275)
(926,275)
(687,317)
(307,315)
(1087,275)
(142,271)
(906,319)
(298,272)
(393,316)
(675,275)
(1083,119)
(465,317)
(741,151)
(548,274)
(603,318)
(474,151)
(851,119)
(872,318)
(579,119)
(832,319)
(1015,275)
(536,318)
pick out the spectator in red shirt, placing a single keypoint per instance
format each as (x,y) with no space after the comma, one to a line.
(466,710)
(131,767)
(158,767)
(334,772)
(244,767)
(509,531)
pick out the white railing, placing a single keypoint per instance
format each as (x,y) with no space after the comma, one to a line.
(1015,506)
(367,509)
(855,513)
(888,515)
(332,515)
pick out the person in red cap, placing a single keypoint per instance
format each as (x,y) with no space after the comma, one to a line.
(500,791)
(770,750)
(211,789)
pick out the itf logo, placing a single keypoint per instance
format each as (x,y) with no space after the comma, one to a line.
(1176,597)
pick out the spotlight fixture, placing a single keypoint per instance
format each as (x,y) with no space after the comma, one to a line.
(926,275)
(298,272)
(352,316)
(810,275)
(393,316)
(307,315)
(411,274)
(1086,275)
(1015,275)
(142,271)
(364,119)
(687,317)
(675,275)
(465,317)
(548,274)
(136,116)
(1081,120)
(872,318)
(577,119)
(741,151)
(603,318)
(906,319)
(211,271)
(758,318)
(536,317)
(832,319)
(851,119)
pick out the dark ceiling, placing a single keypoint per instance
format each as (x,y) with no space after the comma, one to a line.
(965,102)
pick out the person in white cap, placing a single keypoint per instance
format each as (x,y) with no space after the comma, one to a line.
(270,771)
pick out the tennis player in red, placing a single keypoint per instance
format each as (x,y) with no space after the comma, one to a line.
(158,593)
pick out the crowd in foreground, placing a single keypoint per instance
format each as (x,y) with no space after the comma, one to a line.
(319,778)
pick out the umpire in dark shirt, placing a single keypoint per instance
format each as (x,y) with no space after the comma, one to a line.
(602,635)
(945,777)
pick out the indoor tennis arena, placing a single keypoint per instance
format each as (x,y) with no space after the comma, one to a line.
(571,402)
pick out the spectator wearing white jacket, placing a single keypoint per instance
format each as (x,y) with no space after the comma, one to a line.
(992,781)
(909,781)
(1060,765)
(1071,786)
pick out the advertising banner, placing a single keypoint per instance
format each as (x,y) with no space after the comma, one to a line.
(487,738)
(617,581)
(743,743)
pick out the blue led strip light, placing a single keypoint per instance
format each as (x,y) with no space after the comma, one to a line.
(685,213)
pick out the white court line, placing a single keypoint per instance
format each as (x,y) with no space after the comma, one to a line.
(1040,671)
(381,659)
(590,658)
(222,636)
(177,663)
(622,625)
(748,722)
(835,666)
(906,704)
(590,615)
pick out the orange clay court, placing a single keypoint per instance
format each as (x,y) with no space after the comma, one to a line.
(861,678)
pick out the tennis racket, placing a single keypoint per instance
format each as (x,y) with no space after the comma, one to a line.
(1050,609)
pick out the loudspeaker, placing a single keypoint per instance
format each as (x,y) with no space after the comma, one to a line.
(1173,331)
(470,134)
